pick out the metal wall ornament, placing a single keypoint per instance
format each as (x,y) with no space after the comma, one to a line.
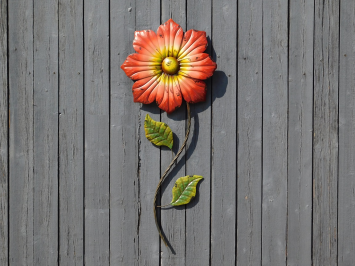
(169,66)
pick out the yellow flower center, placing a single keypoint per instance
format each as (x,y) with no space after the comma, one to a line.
(170,65)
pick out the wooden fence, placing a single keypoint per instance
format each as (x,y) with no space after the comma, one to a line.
(275,140)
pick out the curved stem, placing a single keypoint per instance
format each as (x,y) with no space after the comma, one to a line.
(166,172)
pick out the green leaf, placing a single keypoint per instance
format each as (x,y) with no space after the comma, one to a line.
(158,133)
(185,189)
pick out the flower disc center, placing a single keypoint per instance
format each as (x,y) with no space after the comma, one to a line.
(170,65)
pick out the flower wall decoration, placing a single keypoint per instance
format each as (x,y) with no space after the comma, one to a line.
(169,66)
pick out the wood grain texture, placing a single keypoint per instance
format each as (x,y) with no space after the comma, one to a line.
(325,140)
(346,197)
(45,136)
(275,107)
(78,176)
(300,64)
(20,36)
(4,171)
(198,160)
(71,133)
(124,141)
(224,133)
(147,17)
(97,132)
(173,219)
(249,132)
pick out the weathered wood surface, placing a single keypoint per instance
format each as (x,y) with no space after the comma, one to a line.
(97,132)
(346,196)
(45,136)
(275,107)
(274,139)
(21,131)
(325,133)
(300,101)
(224,134)
(249,118)
(4,118)
(124,141)
(71,133)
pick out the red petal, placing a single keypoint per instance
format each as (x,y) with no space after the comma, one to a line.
(146,42)
(137,73)
(160,89)
(194,42)
(192,90)
(136,69)
(169,98)
(141,60)
(169,38)
(199,66)
(146,58)
(193,58)
(198,73)
(144,90)
(163,89)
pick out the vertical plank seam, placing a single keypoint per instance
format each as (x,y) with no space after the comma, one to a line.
(8,131)
(237,139)
(312,184)
(33,128)
(58,135)
(211,144)
(138,160)
(109,131)
(287,119)
(338,177)
(84,147)
(262,132)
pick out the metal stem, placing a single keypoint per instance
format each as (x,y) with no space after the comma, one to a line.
(166,172)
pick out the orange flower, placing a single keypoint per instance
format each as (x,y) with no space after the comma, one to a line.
(169,65)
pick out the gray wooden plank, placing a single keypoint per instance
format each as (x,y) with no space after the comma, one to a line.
(97,132)
(198,149)
(275,104)
(325,126)
(173,219)
(21,132)
(346,197)
(4,174)
(299,219)
(224,133)
(147,17)
(45,115)
(71,133)
(249,165)
(124,139)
